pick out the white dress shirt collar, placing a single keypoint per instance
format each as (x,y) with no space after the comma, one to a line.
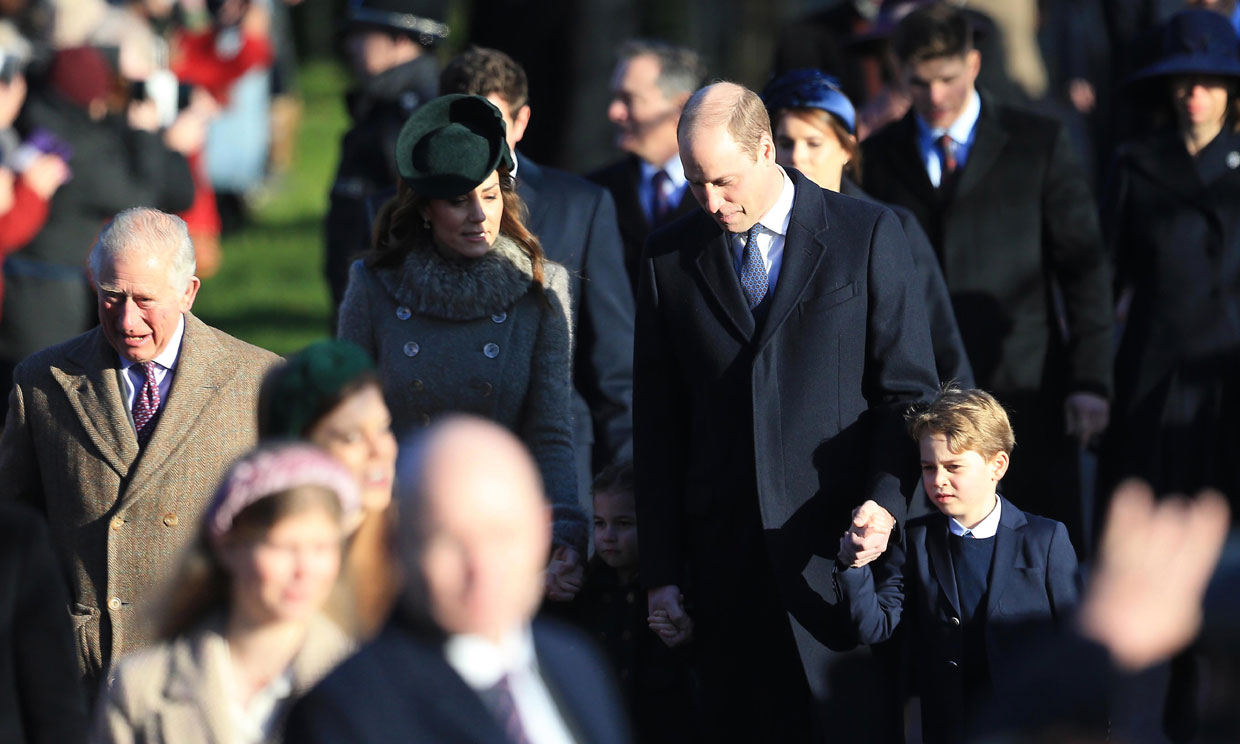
(165,362)
(674,169)
(776,219)
(984,529)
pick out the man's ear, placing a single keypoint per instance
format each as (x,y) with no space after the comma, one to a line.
(973,62)
(191,291)
(520,121)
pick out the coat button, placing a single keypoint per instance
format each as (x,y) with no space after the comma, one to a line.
(952,664)
(485,389)
(412,349)
(117,523)
(424,419)
(416,385)
(403,313)
(170,519)
(499,317)
(491,350)
(955,621)
(114,603)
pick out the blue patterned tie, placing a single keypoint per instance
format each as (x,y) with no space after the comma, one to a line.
(754,280)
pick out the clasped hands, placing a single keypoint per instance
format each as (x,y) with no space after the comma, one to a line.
(867,536)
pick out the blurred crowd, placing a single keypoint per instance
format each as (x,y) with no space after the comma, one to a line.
(996,243)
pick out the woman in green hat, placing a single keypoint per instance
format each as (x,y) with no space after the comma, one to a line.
(462,311)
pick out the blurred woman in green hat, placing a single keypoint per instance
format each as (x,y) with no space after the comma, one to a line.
(462,311)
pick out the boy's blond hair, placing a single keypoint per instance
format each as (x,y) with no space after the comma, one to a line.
(969,419)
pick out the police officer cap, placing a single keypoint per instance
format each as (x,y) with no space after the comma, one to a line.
(808,88)
(421,19)
(450,145)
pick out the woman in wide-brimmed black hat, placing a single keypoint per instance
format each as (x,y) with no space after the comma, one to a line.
(1173,222)
(461,310)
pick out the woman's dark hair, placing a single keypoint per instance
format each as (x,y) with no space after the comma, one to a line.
(202,585)
(400,227)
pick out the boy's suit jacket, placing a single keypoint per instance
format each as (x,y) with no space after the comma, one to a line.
(1033,576)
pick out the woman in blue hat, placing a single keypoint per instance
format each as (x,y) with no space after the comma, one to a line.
(1172,219)
(815,132)
(461,310)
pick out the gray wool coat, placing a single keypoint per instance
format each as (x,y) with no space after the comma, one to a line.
(476,336)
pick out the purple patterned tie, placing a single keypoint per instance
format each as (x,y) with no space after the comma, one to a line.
(661,204)
(146,404)
(754,279)
(504,707)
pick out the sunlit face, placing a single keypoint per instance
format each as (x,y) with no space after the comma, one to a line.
(615,530)
(139,308)
(811,147)
(940,87)
(287,574)
(467,225)
(358,433)
(1200,99)
(732,186)
(488,547)
(645,118)
(961,484)
(373,51)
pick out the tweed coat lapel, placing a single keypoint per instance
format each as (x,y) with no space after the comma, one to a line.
(1009,541)
(804,248)
(987,147)
(203,368)
(195,709)
(941,561)
(718,273)
(92,389)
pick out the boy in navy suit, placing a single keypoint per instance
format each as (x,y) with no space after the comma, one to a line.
(970,577)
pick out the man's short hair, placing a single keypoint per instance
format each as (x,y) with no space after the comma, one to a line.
(143,230)
(481,71)
(933,31)
(744,115)
(969,419)
(680,68)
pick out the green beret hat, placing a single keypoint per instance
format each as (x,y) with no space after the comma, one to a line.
(450,145)
(300,391)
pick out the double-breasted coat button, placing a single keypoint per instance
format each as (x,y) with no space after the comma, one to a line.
(114,603)
(485,388)
(499,317)
(403,313)
(171,519)
(412,349)
(424,419)
(416,385)
(117,523)
(952,664)
(955,621)
(491,350)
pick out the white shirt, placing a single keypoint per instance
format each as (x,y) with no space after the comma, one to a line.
(673,187)
(772,232)
(962,131)
(165,362)
(481,663)
(984,529)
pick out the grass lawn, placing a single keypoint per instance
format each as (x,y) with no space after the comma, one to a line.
(270,290)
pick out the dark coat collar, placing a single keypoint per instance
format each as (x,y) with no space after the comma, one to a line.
(1008,540)
(804,247)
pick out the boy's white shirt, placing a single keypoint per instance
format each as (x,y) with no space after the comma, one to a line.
(984,529)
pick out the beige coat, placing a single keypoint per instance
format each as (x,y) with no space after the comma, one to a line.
(178,691)
(119,516)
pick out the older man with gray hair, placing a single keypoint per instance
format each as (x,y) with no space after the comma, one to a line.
(120,435)
(460,660)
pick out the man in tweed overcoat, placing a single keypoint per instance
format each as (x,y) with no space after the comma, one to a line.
(123,501)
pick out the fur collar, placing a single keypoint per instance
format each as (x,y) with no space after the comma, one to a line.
(430,284)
